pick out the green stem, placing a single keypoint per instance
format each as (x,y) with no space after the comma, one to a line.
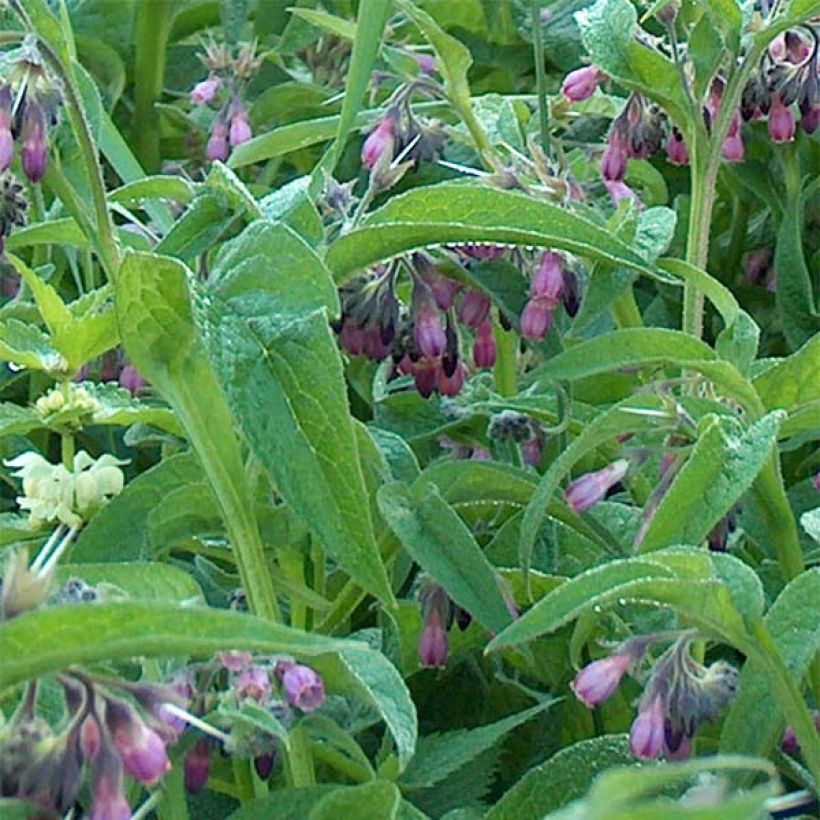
(299,761)
(243,779)
(540,73)
(153,25)
(505,371)
(625,311)
(787,694)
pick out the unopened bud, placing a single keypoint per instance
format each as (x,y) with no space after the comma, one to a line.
(585,492)
(205,91)
(34,154)
(580,85)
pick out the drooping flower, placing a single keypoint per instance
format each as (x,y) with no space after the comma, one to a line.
(484,347)
(585,492)
(474,308)
(303,687)
(599,680)
(206,90)
(580,85)
(197,766)
(676,151)
(647,735)
(548,281)
(34,154)
(536,319)
(218,147)
(616,154)
(240,128)
(379,142)
(6,138)
(428,331)
(781,121)
(140,748)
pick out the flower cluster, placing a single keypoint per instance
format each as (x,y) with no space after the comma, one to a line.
(229,74)
(679,694)
(72,401)
(52,493)
(520,429)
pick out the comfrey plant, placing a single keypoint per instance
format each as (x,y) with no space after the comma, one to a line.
(409,409)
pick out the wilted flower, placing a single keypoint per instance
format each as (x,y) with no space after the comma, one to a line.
(580,85)
(589,489)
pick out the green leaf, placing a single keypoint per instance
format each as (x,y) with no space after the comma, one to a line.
(328,22)
(440,755)
(54,232)
(197,229)
(707,50)
(738,343)
(370,24)
(440,542)
(222,179)
(723,464)
(567,601)
(564,777)
(286,803)
(793,381)
(755,721)
(25,345)
(609,31)
(119,408)
(379,798)
(464,212)
(285,383)
(292,205)
(136,192)
(149,581)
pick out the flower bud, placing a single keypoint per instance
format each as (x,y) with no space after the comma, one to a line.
(303,687)
(253,683)
(444,290)
(647,735)
(580,85)
(474,308)
(433,646)
(140,748)
(585,492)
(450,385)
(536,319)
(264,765)
(428,331)
(34,154)
(205,91)
(374,345)
(571,296)
(599,680)
(6,138)
(810,119)
(427,64)
(218,147)
(613,161)
(781,121)
(197,766)
(548,281)
(531,452)
(484,348)
(240,129)
(352,337)
(108,796)
(676,151)
(424,377)
(733,148)
(131,380)
(380,141)
(90,737)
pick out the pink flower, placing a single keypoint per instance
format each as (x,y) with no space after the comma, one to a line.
(580,85)
(536,319)
(682,751)
(473,309)
(235,661)
(197,766)
(131,380)
(6,138)
(531,452)
(140,748)
(424,377)
(585,492)
(676,151)
(379,142)
(352,338)
(618,191)
(816,482)
(90,738)
(218,147)
(647,735)
(548,281)
(108,801)
(781,121)
(614,159)
(427,64)
(205,91)
(34,155)
(484,348)
(433,646)
(428,332)
(733,148)
(253,683)
(304,689)
(598,681)
(444,290)
(240,130)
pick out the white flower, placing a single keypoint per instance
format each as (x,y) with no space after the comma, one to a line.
(53,494)
(56,400)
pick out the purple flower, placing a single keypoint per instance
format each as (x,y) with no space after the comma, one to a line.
(379,141)
(676,151)
(140,748)
(108,801)
(197,766)
(235,661)
(205,91)
(131,380)
(531,452)
(433,641)
(474,308)
(613,161)
(424,377)
(482,253)
(589,489)
(677,745)
(34,155)
(443,289)
(90,737)
(6,138)
(781,121)
(427,64)
(218,147)
(303,687)
(580,85)
(648,732)
(816,481)
(484,348)
(352,338)
(450,385)
(810,119)
(240,130)
(253,683)
(263,765)
(619,190)
(428,331)
(536,319)
(599,680)
(548,281)
(733,149)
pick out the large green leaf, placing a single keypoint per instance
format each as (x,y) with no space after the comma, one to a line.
(440,542)
(792,382)
(284,380)
(379,798)
(465,212)
(755,722)
(722,465)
